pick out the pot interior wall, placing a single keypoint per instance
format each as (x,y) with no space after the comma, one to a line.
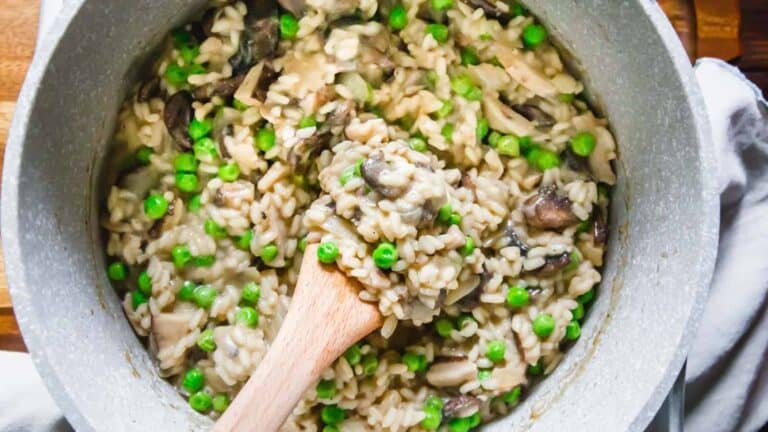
(661,242)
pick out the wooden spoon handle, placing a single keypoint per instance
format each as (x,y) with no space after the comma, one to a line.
(322,322)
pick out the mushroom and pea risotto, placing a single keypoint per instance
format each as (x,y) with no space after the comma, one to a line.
(438,151)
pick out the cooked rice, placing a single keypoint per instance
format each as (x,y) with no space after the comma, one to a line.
(293,192)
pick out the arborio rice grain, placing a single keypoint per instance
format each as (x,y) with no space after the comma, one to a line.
(453,136)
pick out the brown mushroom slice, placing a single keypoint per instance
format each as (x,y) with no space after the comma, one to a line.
(149,90)
(461,406)
(553,264)
(371,171)
(296,7)
(169,328)
(253,88)
(451,372)
(176,115)
(534,114)
(599,231)
(513,239)
(490,8)
(522,72)
(548,210)
(304,152)
(223,88)
(504,119)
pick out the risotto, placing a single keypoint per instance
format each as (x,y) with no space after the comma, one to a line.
(437,150)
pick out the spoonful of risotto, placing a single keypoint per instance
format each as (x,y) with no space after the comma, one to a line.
(326,316)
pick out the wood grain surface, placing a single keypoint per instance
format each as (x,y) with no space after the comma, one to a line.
(730,29)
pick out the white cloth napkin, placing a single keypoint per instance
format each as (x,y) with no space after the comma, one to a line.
(727,378)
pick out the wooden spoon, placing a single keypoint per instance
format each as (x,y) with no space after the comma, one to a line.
(325,318)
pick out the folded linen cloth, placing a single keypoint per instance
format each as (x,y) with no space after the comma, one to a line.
(727,378)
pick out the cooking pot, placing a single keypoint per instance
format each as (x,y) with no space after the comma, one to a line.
(663,237)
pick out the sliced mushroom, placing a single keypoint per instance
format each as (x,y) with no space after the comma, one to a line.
(267,77)
(223,88)
(472,300)
(460,406)
(304,152)
(599,230)
(258,41)
(149,90)
(548,210)
(253,89)
(553,264)
(169,328)
(504,119)
(490,9)
(177,114)
(535,115)
(340,116)
(171,219)
(202,29)
(424,215)
(524,73)
(514,239)
(574,162)
(371,170)
(296,7)
(451,372)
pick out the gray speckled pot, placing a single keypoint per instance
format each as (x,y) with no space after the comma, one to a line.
(662,243)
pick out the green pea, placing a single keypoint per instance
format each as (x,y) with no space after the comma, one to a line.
(186,182)
(406,122)
(181,255)
(201,402)
(474,420)
(143,155)
(247,316)
(586,297)
(433,403)
(330,428)
(187,291)
(578,312)
(493,138)
(266,139)
(468,248)
(195,69)
(213,229)
(438,31)
(584,226)
(526,144)
(508,145)
(307,121)
(496,350)
(326,389)
(543,325)
(117,271)
(176,75)
(459,425)
(155,206)
(194,204)
(518,10)
(137,299)
(205,341)
(302,244)
(203,260)
(332,415)
(431,79)
(289,26)
(385,255)
(204,296)
(193,380)
(181,37)
(369,363)
(536,369)
(185,162)
(583,143)
(415,362)
(327,252)
(474,94)
(603,190)
(517,296)
(444,213)
(269,253)
(229,172)
(461,84)
(441,5)
(205,150)
(455,219)
(573,330)
(145,283)
(417,144)
(534,35)
(445,109)
(513,396)
(463,319)
(239,105)
(199,128)
(220,403)
(244,241)
(300,181)
(347,174)
(251,293)
(353,355)
(482,129)
(566,97)
(543,159)
(432,419)
(398,17)
(447,131)
(469,56)
(444,327)
(575,260)
(484,374)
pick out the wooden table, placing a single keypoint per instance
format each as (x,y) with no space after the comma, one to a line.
(714,33)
